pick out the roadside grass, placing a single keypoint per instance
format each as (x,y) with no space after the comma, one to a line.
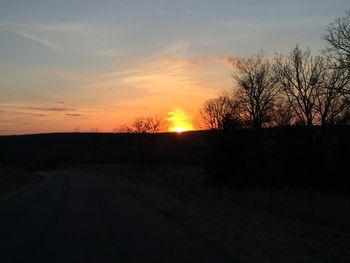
(13,179)
(252,226)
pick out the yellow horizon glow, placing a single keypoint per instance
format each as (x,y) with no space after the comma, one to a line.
(95,103)
(178,129)
(179,121)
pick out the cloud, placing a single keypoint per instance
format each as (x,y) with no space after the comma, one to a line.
(177,47)
(199,61)
(63,36)
(26,105)
(180,75)
(71,28)
(19,113)
(112,53)
(48,44)
(120,73)
(43,42)
(60,27)
(67,75)
(55,109)
(73,114)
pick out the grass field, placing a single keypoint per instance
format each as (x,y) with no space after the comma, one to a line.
(13,179)
(252,226)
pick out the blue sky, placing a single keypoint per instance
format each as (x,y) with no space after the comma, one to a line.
(67,65)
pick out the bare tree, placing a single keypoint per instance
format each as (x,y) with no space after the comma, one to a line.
(141,125)
(121,129)
(154,124)
(300,76)
(344,118)
(147,129)
(332,97)
(282,114)
(214,112)
(256,90)
(337,36)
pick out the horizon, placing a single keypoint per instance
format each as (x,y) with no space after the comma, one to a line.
(101,64)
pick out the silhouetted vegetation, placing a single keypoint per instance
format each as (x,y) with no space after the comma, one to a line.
(47,151)
(216,111)
(13,179)
(228,156)
(284,124)
(337,36)
(293,113)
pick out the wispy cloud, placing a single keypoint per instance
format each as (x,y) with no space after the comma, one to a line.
(120,73)
(55,36)
(74,114)
(57,109)
(26,107)
(199,61)
(71,28)
(172,74)
(18,112)
(175,48)
(46,43)
(70,75)
(60,27)
(112,53)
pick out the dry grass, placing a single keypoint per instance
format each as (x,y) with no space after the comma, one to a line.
(235,221)
(13,179)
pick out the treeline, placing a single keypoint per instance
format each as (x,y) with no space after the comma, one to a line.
(305,98)
(285,124)
(295,89)
(50,151)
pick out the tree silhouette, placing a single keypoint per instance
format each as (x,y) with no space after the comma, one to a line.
(256,90)
(282,114)
(148,129)
(300,76)
(141,125)
(337,36)
(332,98)
(215,111)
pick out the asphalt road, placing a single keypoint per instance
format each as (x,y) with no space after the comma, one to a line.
(74,217)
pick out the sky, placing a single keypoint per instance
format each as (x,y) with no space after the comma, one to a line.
(82,65)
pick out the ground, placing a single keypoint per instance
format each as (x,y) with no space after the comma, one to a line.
(248,232)
(13,179)
(70,216)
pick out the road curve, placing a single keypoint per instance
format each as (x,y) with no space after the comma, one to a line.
(74,217)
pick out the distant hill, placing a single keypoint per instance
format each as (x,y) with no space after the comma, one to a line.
(49,150)
(278,157)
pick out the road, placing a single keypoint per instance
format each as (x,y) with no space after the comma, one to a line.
(74,217)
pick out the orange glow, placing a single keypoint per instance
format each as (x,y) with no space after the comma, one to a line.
(185,80)
(179,121)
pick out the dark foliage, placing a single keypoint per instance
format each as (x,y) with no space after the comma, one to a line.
(277,158)
(281,158)
(46,151)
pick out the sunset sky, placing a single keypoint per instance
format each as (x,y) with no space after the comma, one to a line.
(95,64)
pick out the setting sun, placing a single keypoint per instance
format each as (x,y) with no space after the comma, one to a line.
(179,121)
(178,129)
